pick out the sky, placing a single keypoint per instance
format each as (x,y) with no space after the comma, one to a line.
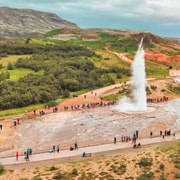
(160,17)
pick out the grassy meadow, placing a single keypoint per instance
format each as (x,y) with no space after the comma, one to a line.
(16,73)
(4,61)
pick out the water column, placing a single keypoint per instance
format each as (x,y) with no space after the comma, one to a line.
(138,101)
(139,79)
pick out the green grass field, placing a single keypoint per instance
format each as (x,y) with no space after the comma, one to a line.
(22,110)
(16,74)
(11,59)
(110,60)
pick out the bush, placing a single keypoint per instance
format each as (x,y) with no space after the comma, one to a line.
(59,176)
(1,169)
(145,162)
(53,168)
(161,167)
(148,91)
(51,104)
(145,176)
(153,87)
(162,177)
(37,178)
(177,175)
(74,172)
(163,90)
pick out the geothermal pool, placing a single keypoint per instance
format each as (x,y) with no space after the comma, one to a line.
(93,126)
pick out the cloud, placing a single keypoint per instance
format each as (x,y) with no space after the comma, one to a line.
(165,9)
(160,9)
(138,14)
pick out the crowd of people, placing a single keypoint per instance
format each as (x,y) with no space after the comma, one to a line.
(101,103)
(157,99)
(89,105)
(124,138)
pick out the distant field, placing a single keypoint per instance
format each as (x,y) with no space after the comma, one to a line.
(109,60)
(156,70)
(42,41)
(22,110)
(11,59)
(15,73)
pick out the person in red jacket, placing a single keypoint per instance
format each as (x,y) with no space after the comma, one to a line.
(17,155)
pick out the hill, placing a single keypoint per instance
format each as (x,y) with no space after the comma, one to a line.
(39,47)
(161,50)
(27,22)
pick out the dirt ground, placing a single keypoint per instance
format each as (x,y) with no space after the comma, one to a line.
(8,132)
(13,138)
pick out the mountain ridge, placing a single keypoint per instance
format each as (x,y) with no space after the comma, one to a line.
(27,22)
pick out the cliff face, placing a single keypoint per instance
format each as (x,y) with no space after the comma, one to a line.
(26,22)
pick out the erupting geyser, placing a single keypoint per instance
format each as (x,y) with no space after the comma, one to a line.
(138,101)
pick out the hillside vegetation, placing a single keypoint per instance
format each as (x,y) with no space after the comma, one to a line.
(40,70)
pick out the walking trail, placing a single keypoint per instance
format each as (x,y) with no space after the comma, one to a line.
(67,155)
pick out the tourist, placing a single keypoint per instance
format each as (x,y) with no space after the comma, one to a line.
(134,138)
(137,134)
(17,155)
(34,112)
(58,148)
(14,123)
(174,134)
(122,138)
(75,145)
(83,154)
(26,154)
(54,148)
(114,140)
(151,133)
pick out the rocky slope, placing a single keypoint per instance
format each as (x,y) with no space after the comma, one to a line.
(25,22)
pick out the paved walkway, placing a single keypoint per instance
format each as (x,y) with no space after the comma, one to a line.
(9,161)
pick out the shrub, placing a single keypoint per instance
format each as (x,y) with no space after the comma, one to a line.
(144,176)
(1,169)
(153,87)
(162,177)
(177,175)
(74,172)
(163,90)
(53,168)
(59,176)
(148,91)
(37,178)
(145,162)
(161,166)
